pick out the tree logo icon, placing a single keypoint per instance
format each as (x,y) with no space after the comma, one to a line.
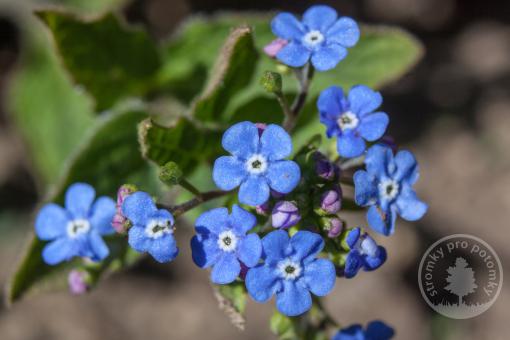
(460,276)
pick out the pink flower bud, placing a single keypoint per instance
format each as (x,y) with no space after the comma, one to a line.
(274,47)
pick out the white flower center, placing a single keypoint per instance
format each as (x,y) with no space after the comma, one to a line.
(347,120)
(77,227)
(313,38)
(227,241)
(158,227)
(256,164)
(289,269)
(388,189)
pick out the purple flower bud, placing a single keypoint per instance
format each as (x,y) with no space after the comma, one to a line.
(331,200)
(336,227)
(285,214)
(119,221)
(324,168)
(263,209)
(261,127)
(77,282)
(274,47)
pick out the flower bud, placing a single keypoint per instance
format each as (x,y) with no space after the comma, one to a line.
(324,168)
(271,82)
(330,201)
(275,46)
(170,174)
(77,281)
(285,215)
(333,225)
(261,127)
(119,222)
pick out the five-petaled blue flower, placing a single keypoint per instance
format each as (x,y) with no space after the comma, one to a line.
(152,230)
(221,242)
(352,119)
(386,186)
(364,253)
(256,163)
(77,229)
(321,37)
(376,330)
(291,271)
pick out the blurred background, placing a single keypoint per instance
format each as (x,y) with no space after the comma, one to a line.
(452,110)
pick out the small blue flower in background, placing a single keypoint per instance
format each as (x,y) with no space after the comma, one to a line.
(291,271)
(77,229)
(152,229)
(352,119)
(364,253)
(321,37)
(256,164)
(387,188)
(376,330)
(221,242)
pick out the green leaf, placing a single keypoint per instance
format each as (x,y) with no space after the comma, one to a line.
(233,71)
(50,113)
(106,159)
(283,326)
(111,61)
(232,301)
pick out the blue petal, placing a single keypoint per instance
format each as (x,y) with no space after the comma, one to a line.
(378,160)
(378,330)
(364,100)
(353,263)
(262,283)
(215,220)
(137,238)
(328,56)
(330,102)
(51,222)
(410,208)
(353,237)
(241,139)
(138,207)
(373,126)
(62,249)
(97,246)
(163,214)
(319,17)
(228,172)
(283,176)
(320,276)
(275,245)
(293,54)
(354,332)
(368,246)
(164,249)
(249,250)
(293,300)
(286,26)
(241,220)
(78,200)
(344,31)
(205,251)
(306,244)
(365,191)
(226,269)
(275,143)
(406,167)
(350,145)
(372,263)
(383,224)
(254,191)
(102,214)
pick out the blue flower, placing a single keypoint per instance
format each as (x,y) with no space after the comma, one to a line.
(386,187)
(256,163)
(152,230)
(352,119)
(376,330)
(364,253)
(77,229)
(291,271)
(321,37)
(221,242)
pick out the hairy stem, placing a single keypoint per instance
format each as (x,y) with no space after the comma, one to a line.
(352,163)
(304,76)
(180,209)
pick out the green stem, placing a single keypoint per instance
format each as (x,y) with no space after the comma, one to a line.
(304,76)
(352,163)
(182,208)
(190,187)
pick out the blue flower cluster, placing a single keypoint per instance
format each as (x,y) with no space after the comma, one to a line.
(376,330)
(76,230)
(321,37)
